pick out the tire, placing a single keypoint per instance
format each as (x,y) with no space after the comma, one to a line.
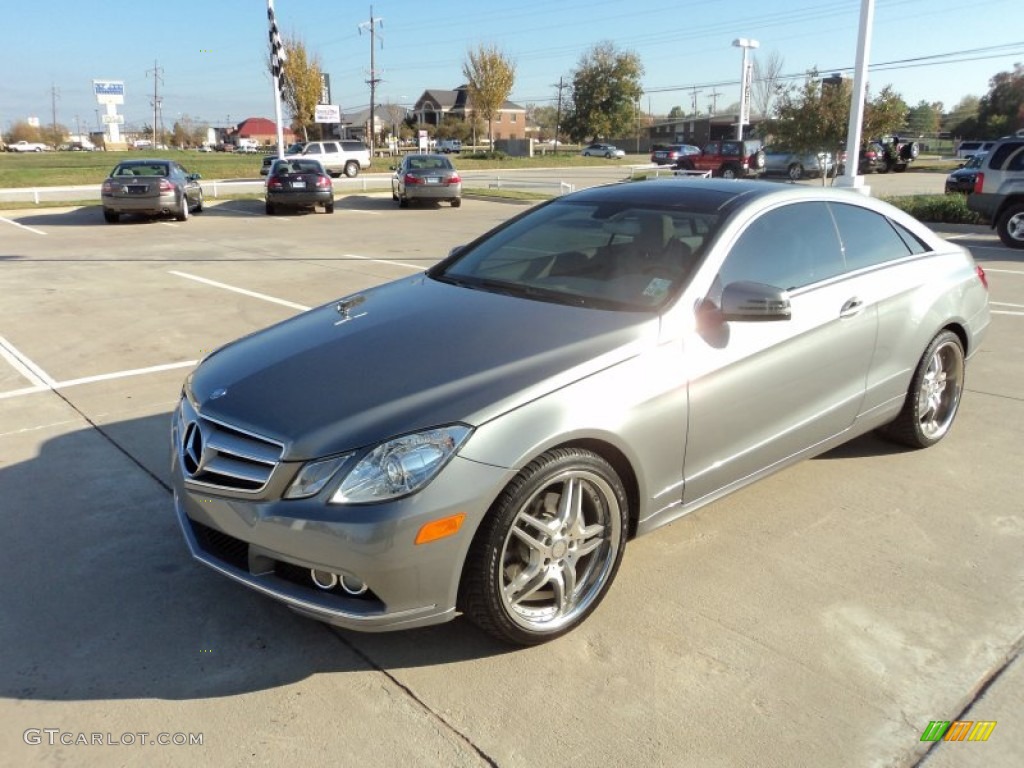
(900,167)
(270,209)
(885,166)
(351,169)
(403,202)
(456,202)
(728,172)
(910,151)
(182,214)
(199,203)
(548,549)
(759,160)
(329,207)
(795,172)
(934,396)
(111,217)
(1010,226)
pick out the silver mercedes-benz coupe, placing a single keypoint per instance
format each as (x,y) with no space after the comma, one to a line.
(484,437)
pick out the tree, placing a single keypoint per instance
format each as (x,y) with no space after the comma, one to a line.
(885,114)
(963,119)
(766,85)
(22,131)
(54,134)
(489,76)
(676,113)
(395,114)
(604,93)
(924,118)
(544,118)
(1001,110)
(300,84)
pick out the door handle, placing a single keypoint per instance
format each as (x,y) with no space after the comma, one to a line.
(851,308)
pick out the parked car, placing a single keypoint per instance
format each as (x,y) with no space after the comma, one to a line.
(293,149)
(486,436)
(670,155)
(602,150)
(204,148)
(449,146)
(151,187)
(729,158)
(298,183)
(338,157)
(426,177)
(961,181)
(895,154)
(999,190)
(968,149)
(796,165)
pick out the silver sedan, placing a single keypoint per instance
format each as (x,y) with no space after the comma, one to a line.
(796,165)
(485,437)
(152,188)
(426,177)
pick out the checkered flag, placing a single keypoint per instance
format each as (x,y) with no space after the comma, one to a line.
(277,54)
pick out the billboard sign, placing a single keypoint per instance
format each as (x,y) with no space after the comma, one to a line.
(113,119)
(108,91)
(327,113)
(325,88)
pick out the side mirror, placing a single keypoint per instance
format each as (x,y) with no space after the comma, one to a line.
(455,250)
(194,176)
(747,301)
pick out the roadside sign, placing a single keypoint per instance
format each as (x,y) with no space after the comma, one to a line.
(327,113)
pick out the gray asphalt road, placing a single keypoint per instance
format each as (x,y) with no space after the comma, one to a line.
(820,618)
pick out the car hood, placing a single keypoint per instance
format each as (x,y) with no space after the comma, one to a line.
(406,356)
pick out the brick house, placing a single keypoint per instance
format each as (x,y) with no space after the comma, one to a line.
(435,104)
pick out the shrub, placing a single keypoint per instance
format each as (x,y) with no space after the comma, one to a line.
(937,209)
(494,155)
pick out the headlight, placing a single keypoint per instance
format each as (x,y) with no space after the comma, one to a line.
(401,466)
(313,477)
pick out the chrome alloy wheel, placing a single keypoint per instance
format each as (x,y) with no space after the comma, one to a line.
(940,388)
(560,551)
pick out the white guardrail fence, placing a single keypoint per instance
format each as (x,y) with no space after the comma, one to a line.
(214,189)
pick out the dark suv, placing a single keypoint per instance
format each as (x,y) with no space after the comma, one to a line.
(999,190)
(728,158)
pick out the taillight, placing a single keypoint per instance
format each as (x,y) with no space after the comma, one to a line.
(108,188)
(274,183)
(323,182)
(454,179)
(166,186)
(981,275)
(410,179)
(979,183)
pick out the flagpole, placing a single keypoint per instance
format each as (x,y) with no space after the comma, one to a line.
(277,57)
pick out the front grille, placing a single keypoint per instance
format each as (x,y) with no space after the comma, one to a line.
(227,548)
(216,454)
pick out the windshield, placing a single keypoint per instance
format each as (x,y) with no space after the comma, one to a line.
(596,254)
(974,161)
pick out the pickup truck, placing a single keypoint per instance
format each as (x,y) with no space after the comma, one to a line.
(27,146)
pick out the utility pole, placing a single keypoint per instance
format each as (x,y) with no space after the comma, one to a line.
(371,25)
(713,96)
(54,95)
(693,98)
(558,111)
(157,72)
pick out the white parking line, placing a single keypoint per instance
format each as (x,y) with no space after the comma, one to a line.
(417,267)
(243,291)
(23,226)
(24,366)
(1004,312)
(47,386)
(1004,271)
(1006,304)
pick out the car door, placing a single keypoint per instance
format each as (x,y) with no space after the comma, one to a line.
(763,392)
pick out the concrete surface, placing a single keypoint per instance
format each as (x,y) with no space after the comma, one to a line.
(819,618)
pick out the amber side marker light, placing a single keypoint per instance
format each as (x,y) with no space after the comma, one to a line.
(439,529)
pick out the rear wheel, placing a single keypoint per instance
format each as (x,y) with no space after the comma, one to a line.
(729,172)
(456,202)
(796,172)
(111,217)
(182,214)
(548,550)
(934,396)
(403,202)
(900,167)
(270,208)
(329,207)
(1011,226)
(199,202)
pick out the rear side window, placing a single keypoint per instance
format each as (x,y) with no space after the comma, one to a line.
(868,238)
(352,146)
(1010,150)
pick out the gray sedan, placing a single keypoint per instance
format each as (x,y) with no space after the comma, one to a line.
(485,437)
(797,165)
(426,177)
(151,187)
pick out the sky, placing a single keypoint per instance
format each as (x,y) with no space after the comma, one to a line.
(209,55)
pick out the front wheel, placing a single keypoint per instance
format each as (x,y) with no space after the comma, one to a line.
(934,396)
(796,172)
(1011,226)
(729,172)
(351,169)
(548,550)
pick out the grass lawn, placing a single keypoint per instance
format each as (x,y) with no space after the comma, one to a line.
(60,169)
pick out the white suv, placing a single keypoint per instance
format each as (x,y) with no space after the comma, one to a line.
(447,146)
(338,157)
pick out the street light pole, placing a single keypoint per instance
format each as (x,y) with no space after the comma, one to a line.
(746,44)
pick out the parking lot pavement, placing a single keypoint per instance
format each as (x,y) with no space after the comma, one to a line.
(821,617)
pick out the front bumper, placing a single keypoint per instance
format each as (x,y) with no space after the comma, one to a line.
(271,545)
